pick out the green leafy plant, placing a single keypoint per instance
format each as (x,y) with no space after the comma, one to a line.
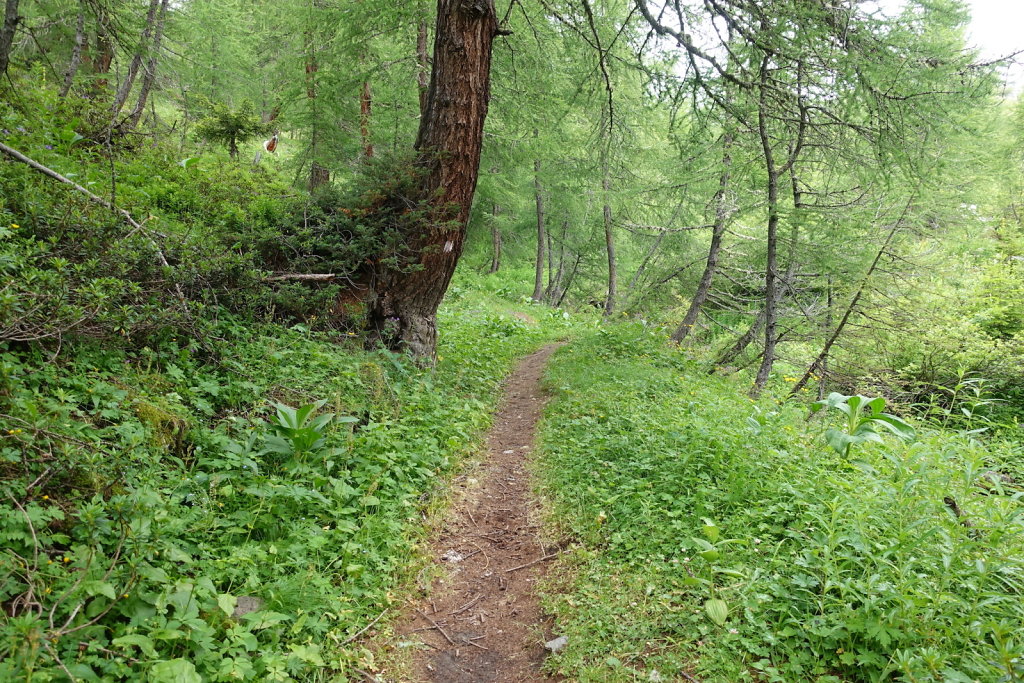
(224,125)
(297,433)
(863,418)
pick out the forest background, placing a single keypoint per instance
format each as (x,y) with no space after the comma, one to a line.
(208,205)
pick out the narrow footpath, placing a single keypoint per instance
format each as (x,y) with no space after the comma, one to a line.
(481,620)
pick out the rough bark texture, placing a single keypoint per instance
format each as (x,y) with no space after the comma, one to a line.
(423,64)
(538,274)
(10,25)
(149,77)
(318,175)
(104,49)
(365,108)
(721,221)
(404,304)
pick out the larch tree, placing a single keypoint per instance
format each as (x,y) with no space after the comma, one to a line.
(404,300)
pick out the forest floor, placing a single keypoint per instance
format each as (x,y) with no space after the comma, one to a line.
(481,619)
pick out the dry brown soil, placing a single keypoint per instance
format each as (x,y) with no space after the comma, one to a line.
(481,620)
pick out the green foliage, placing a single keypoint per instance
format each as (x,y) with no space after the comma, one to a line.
(863,418)
(149,496)
(834,569)
(229,126)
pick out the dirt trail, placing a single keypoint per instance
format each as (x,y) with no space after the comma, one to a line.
(481,621)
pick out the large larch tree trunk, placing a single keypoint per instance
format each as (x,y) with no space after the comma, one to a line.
(404,301)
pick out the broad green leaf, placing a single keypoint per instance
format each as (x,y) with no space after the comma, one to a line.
(717,610)
(174,671)
(227,603)
(144,643)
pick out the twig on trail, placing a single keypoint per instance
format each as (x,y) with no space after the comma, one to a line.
(471,518)
(364,629)
(530,564)
(487,559)
(438,627)
(468,605)
(470,642)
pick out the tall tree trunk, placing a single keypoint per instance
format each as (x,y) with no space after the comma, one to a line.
(76,52)
(554,290)
(402,312)
(125,88)
(365,106)
(104,50)
(7,31)
(770,284)
(609,243)
(538,273)
(422,64)
(149,77)
(495,240)
(823,365)
(318,175)
(717,231)
(774,171)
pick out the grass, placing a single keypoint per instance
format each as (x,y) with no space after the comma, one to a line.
(681,492)
(157,508)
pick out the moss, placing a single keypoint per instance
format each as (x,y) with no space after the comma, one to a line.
(166,430)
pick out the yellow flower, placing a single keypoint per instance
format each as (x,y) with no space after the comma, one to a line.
(46,498)
(14,226)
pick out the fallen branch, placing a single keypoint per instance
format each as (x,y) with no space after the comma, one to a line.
(309,277)
(364,629)
(137,226)
(530,564)
(438,627)
(468,605)
(15,154)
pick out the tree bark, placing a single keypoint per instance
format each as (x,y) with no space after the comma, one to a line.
(553,295)
(609,243)
(403,307)
(76,51)
(538,273)
(125,88)
(104,50)
(10,26)
(423,65)
(717,231)
(495,240)
(318,175)
(365,107)
(149,77)
(774,172)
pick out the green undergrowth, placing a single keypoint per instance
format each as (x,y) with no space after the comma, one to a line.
(150,498)
(723,539)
